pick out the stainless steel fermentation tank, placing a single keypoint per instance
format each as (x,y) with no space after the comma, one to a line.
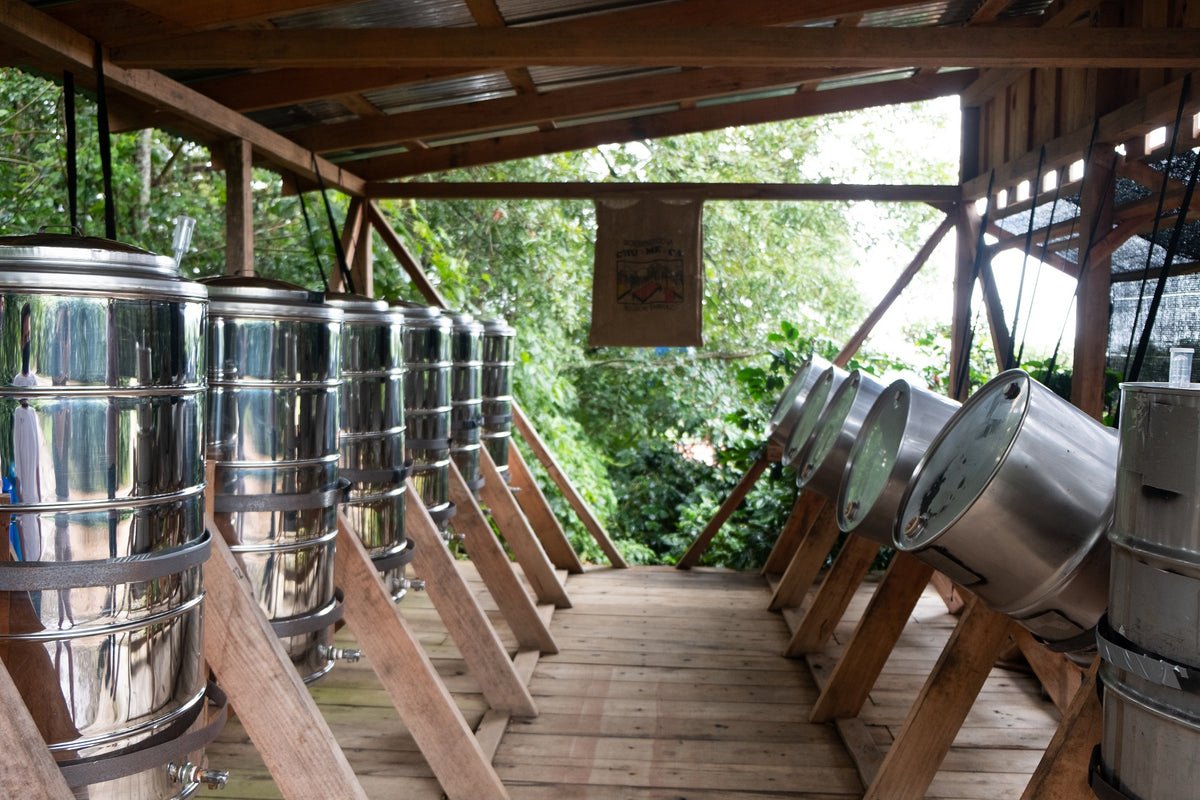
(371,432)
(1013,501)
(427,405)
(101,416)
(822,460)
(791,402)
(466,396)
(274,379)
(815,399)
(1150,641)
(499,339)
(896,432)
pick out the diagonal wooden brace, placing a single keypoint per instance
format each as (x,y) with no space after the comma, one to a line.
(28,769)
(807,562)
(833,597)
(533,502)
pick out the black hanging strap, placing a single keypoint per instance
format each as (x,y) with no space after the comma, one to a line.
(1037,277)
(312,238)
(1009,360)
(110,206)
(343,267)
(72,150)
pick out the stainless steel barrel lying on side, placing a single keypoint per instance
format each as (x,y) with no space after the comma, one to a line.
(101,414)
(791,402)
(895,434)
(274,377)
(499,339)
(466,396)
(427,405)
(822,461)
(815,400)
(1150,641)
(371,432)
(1013,501)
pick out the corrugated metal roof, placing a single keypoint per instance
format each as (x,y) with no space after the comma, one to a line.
(302,116)
(384,14)
(941,12)
(433,94)
(475,137)
(531,12)
(550,78)
(627,114)
(863,80)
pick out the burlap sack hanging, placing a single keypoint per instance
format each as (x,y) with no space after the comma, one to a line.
(649,279)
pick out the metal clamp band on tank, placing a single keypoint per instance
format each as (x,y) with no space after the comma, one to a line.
(499,341)
(1013,501)
(466,397)
(427,405)
(102,368)
(372,430)
(274,383)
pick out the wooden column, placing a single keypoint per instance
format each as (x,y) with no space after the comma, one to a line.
(28,770)
(496,570)
(412,682)
(514,527)
(945,699)
(461,613)
(362,265)
(833,597)
(1091,310)
(807,563)
(351,233)
(239,209)
(692,557)
(537,510)
(804,513)
(1062,774)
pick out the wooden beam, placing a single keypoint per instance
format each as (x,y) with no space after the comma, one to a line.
(750,112)
(523,426)
(461,613)
(351,230)
(701,543)
(967,222)
(1188,268)
(411,680)
(496,570)
(29,770)
(804,513)
(833,597)
(1062,774)
(585,101)
(945,699)
(821,192)
(239,209)
(519,536)
(806,564)
(54,44)
(1092,295)
(541,518)
(362,265)
(997,324)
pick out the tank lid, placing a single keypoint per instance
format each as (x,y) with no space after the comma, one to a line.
(360,308)
(265,297)
(464,322)
(874,454)
(34,259)
(417,315)
(495,326)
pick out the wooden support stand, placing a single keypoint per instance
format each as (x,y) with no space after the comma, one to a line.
(1062,772)
(496,570)
(461,613)
(515,529)
(27,769)
(537,510)
(692,557)
(525,428)
(940,708)
(807,562)
(833,597)
(804,513)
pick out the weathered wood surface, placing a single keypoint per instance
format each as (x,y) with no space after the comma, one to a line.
(804,513)
(807,561)
(27,769)
(537,510)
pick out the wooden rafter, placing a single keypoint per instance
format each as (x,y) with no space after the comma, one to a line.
(830,192)
(511,112)
(799,47)
(487,151)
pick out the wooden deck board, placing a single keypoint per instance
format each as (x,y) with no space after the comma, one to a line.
(671,685)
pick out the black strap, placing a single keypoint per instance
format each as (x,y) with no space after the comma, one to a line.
(312,238)
(169,744)
(30,576)
(72,150)
(1127,655)
(297,626)
(1037,276)
(444,513)
(110,204)
(499,419)
(386,475)
(238,503)
(1010,360)
(1101,786)
(427,444)
(466,424)
(1076,643)
(343,267)
(397,559)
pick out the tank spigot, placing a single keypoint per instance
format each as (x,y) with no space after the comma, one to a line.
(331,653)
(448,537)
(188,773)
(851,510)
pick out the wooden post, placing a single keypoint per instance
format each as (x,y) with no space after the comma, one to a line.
(461,613)
(807,563)
(943,704)
(1062,774)
(496,570)
(537,510)
(804,513)
(877,632)
(351,234)
(837,590)
(239,209)
(362,266)
(531,437)
(27,770)
(514,527)
(1091,311)
(412,682)
(700,545)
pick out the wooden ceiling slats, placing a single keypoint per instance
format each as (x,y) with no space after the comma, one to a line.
(801,104)
(855,47)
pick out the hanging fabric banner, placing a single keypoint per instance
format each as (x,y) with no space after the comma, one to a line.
(649,280)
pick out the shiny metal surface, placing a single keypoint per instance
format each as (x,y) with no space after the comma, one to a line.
(272,430)
(822,462)
(791,402)
(498,347)
(815,400)
(896,432)
(427,346)
(1013,501)
(466,395)
(102,365)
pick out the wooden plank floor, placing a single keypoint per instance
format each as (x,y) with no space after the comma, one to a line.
(669,686)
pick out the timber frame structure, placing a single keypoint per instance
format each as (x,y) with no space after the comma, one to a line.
(1070,88)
